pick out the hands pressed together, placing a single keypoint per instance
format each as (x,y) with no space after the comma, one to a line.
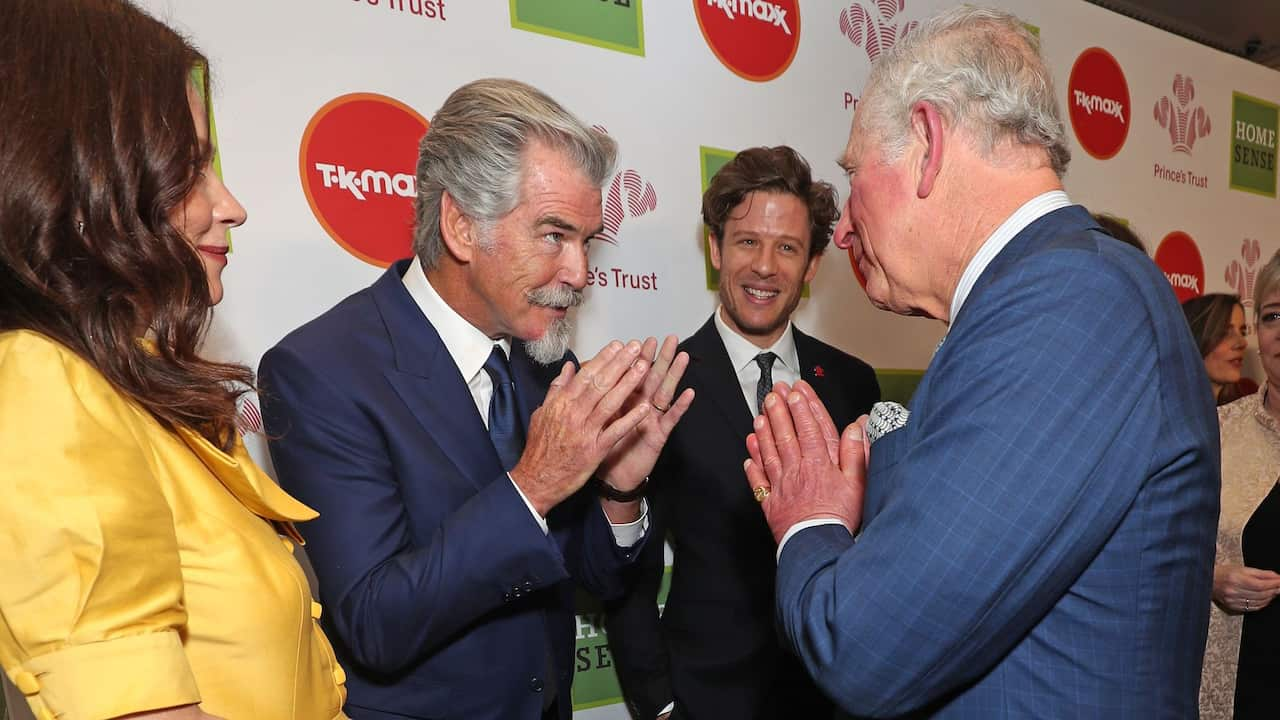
(610,417)
(801,467)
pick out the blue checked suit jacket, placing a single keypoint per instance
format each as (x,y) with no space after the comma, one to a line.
(1038,540)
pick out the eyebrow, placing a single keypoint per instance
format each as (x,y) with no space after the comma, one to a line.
(560,223)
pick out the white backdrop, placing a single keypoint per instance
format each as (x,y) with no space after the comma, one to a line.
(277,63)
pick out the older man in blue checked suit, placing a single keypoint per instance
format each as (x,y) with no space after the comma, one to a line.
(1037,540)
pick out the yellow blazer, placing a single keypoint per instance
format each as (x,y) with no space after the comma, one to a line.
(139,568)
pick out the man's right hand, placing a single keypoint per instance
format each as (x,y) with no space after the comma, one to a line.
(577,424)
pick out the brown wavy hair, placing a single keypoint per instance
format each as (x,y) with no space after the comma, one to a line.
(770,169)
(98,150)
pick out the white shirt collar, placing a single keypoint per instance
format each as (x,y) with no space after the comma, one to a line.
(1034,209)
(467,345)
(742,352)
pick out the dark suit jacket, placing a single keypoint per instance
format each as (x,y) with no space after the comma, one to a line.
(1038,540)
(441,590)
(717,652)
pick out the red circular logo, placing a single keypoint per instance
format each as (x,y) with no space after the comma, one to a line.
(1098,103)
(357,166)
(1180,260)
(756,39)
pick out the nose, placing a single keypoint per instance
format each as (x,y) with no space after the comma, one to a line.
(763,262)
(843,234)
(573,269)
(227,210)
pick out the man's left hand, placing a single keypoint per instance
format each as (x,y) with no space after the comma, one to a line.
(802,466)
(633,457)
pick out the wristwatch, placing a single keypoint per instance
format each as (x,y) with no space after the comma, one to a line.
(610,492)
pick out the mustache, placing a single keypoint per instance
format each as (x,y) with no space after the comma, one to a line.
(559,296)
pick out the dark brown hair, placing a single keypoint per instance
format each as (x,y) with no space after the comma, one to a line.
(1210,319)
(1119,230)
(98,150)
(770,169)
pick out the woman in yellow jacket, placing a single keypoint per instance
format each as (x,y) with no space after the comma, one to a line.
(145,561)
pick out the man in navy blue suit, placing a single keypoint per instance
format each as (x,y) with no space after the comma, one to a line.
(715,651)
(1036,538)
(440,427)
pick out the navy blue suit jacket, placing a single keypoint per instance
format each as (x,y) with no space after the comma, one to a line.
(1038,540)
(443,596)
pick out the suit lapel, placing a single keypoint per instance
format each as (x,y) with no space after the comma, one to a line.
(715,378)
(427,380)
(810,356)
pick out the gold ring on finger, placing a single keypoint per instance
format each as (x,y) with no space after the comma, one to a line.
(660,408)
(761,493)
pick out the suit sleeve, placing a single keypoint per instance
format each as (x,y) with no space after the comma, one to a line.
(91,611)
(639,649)
(393,601)
(1035,443)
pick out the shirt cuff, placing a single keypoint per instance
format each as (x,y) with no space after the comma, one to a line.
(542,522)
(670,706)
(628,534)
(804,525)
(109,678)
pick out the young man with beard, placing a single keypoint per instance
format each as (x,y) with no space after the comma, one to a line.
(715,652)
(438,424)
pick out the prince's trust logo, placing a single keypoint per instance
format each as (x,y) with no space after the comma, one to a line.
(1240,277)
(1185,123)
(875,30)
(629,196)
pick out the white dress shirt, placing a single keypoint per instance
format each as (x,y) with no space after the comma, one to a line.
(1030,211)
(470,348)
(742,356)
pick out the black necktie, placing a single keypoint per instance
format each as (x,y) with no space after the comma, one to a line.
(765,361)
(505,428)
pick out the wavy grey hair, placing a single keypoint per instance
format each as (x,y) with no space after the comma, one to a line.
(982,69)
(474,148)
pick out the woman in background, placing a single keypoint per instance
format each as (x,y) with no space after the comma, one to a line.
(1244,625)
(141,549)
(1217,324)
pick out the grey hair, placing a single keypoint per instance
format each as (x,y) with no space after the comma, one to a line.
(1267,282)
(983,71)
(474,149)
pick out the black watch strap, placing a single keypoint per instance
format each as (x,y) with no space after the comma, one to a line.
(612,493)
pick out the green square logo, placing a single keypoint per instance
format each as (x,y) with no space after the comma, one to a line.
(610,24)
(1254,124)
(711,160)
(197,80)
(595,682)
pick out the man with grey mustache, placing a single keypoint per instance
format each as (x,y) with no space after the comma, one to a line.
(440,426)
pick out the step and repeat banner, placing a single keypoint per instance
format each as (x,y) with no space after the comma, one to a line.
(319,105)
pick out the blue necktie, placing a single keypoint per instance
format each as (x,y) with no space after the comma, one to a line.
(505,428)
